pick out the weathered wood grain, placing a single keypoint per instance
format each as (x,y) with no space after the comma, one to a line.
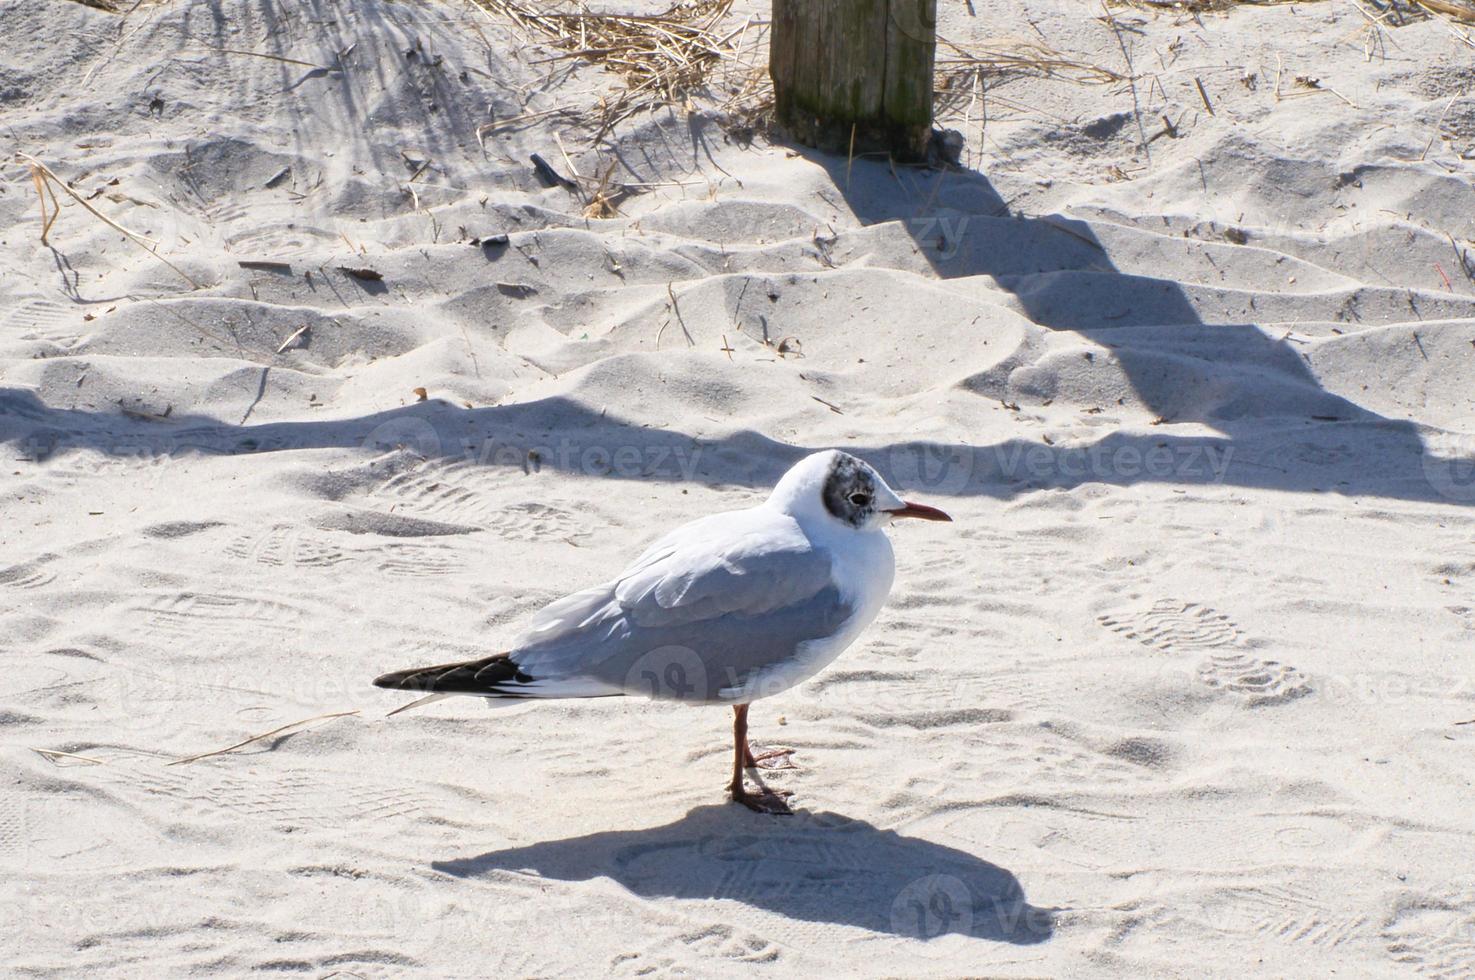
(855,69)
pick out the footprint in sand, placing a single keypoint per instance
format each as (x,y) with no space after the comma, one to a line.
(417,561)
(535,522)
(42,320)
(696,951)
(1172,626)
(437,491)
(296,799)
(225,213)
(1434,934)
(1257,681)
(286,545)
(1004,760)
(192,614)
(300,799)
(1270,912)
(32,574)
(447,493)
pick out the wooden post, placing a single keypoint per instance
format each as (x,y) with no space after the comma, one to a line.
(861,67)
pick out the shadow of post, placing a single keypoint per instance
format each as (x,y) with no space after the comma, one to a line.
(1252,387)
(563,436)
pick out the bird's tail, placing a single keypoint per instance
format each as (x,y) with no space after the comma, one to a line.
(491,677)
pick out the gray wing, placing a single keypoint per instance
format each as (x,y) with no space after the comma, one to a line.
(701,611)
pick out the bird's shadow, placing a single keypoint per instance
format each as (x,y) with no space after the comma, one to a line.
(816,867)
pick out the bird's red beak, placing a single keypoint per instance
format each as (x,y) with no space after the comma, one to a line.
(919,511)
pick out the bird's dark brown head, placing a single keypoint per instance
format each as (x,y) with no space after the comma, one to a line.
(833,485)
(849,490)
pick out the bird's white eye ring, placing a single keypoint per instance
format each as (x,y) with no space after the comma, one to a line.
(860,499)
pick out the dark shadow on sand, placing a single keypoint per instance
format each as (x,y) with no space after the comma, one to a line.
(1232,376)
(1357,456)
(1217,376)
(816,867)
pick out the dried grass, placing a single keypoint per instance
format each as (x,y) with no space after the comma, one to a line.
(669,58)
(289,727)
(958,69)
(1459,9)
(957,73)
(1396,12)
(664,59)
(123,7)
(47,181)
(1201,6)
(1015,59)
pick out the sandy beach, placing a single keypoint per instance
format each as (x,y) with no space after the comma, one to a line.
(316,376)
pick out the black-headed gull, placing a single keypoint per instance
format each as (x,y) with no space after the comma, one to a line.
(725,610)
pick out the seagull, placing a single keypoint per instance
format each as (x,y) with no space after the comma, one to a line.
(724,610)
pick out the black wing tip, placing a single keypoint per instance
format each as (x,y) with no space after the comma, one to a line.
(471,677)
(416,679)
(394,681)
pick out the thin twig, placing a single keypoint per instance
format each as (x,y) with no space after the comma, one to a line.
(1432,136)
(679,318)
(51,755)
(43,190)
(263,735)
(1203,95)
(1131,79)
(295,334)
(1460,258)
(274,57)
(147,244)
(850,159)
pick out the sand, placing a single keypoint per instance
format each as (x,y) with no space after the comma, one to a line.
(1177,695)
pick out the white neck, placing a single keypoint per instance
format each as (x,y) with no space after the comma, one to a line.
(798,493)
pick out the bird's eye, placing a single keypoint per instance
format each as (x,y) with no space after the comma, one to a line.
(860,499)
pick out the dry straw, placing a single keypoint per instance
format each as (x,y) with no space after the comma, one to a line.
(1389,13)
(668,58)
(284,729)
(959,70)
(46,181)
(663,59)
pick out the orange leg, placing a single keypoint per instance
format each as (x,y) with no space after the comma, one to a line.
(765,801)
